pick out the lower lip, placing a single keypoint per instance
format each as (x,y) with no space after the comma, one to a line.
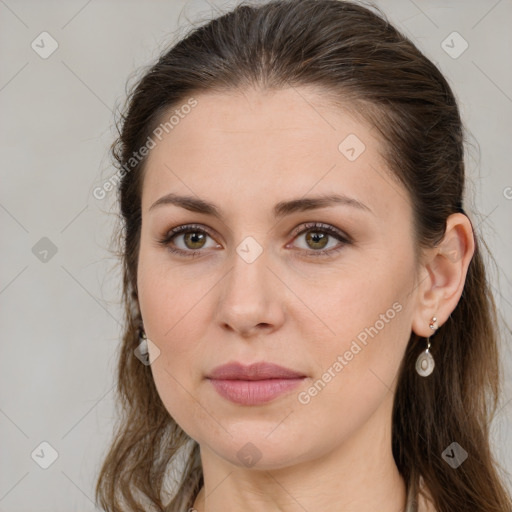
(254,392)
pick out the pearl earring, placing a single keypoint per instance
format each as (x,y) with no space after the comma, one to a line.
(425,363)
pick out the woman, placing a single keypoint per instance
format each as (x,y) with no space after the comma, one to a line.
(305,294)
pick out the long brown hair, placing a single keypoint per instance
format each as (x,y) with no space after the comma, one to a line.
(348,51)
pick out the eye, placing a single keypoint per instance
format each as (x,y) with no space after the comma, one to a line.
(191,238)
(317,238)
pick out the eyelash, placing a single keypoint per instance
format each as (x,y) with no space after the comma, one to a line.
(312,226)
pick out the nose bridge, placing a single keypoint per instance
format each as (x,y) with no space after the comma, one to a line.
(245,285)
(248,296)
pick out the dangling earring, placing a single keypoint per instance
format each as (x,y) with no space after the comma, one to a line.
(142,350)
(425,362)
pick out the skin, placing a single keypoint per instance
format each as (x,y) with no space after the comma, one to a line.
(245,153)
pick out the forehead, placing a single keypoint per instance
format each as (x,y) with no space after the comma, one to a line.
(268,144)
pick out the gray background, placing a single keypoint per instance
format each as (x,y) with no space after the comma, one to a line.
(60,312)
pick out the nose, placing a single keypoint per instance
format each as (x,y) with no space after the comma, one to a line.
(251,298)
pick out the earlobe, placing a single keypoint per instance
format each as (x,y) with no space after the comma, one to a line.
(445,269)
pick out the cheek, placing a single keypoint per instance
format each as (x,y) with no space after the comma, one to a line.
(358,328)
(172,322)
(169,302)
(172,308)
(357,367)
(343,303)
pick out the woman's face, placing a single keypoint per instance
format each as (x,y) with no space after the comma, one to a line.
(268,282)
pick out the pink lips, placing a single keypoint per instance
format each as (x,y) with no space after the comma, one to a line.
(255,384)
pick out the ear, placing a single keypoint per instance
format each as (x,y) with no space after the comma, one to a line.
(443,274)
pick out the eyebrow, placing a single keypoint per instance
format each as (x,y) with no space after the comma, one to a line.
(281,209)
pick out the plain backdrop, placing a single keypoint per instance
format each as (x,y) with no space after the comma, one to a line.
(60,286)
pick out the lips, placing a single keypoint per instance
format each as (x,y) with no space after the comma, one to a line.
(255,384)
(255,371)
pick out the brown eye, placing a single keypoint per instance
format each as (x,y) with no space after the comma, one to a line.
(194,239)
(317,239)
(187,240)
(318,236)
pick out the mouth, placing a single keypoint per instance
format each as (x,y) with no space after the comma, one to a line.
(255,384)
(254,392)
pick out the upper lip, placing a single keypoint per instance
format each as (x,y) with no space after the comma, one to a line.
(256,371)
